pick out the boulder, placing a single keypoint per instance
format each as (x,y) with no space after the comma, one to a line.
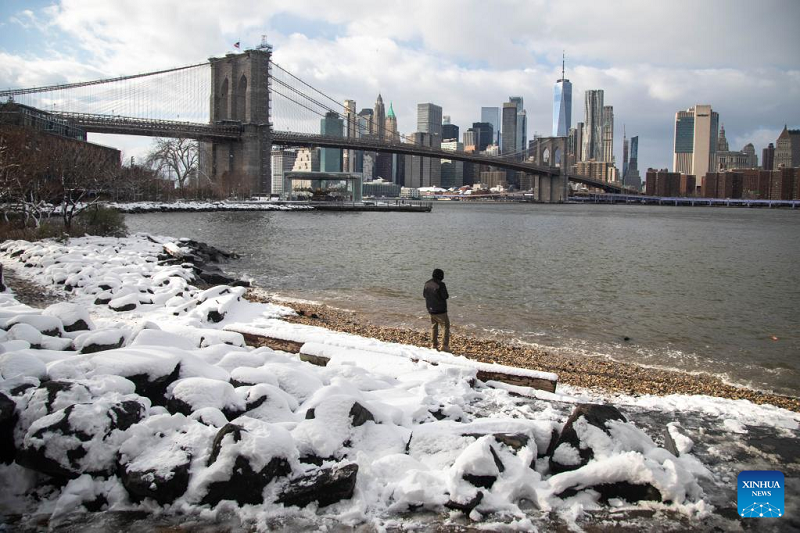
(46,325)
(74,317)
(359,415)
(155,389)
(251,454)
(568,442)
(8,419)
(191,394)
(466,507)
(99,341)
(155,460)
(325,486)
(80,439)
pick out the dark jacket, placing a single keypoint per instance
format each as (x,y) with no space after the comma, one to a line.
(435,293)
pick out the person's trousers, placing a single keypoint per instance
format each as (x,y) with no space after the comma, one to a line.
(436,321)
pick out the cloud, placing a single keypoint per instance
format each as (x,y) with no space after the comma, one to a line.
(651,59)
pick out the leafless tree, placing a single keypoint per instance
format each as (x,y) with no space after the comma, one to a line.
(175,159)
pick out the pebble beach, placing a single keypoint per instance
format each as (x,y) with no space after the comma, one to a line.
(596,373)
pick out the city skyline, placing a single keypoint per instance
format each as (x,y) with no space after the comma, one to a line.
(752,82)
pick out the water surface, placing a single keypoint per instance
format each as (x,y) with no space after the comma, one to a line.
(699,289)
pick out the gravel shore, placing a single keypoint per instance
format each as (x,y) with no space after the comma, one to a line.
(590,372)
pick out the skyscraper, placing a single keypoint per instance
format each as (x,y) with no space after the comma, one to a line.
(351,132)
(331,158)
(562,105)
(492,116)
(684,140)
(449,131)
(624,153)
(632,178)
(768,157)
(696,139)
(391,125)
(484,134)
(380,118)
(522,124)
(366,124)
(787,149)
(593,126)
(282,162)
(509,139)
(608,134)
(429,119)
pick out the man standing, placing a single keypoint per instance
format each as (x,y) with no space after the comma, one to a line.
(435,293)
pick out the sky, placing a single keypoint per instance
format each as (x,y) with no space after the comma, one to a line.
(652,59)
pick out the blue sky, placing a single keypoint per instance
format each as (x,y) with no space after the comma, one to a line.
(651,59)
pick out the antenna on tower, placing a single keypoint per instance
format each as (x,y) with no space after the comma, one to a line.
(563,60)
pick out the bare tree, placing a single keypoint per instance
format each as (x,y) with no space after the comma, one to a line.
(23,184)
(79,175)
(175,159)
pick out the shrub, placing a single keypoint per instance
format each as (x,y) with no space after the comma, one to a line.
(102,221)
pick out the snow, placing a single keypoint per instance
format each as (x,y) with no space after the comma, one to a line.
(432,422)
(144,207)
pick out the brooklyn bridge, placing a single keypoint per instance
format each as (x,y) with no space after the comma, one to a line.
(239,106)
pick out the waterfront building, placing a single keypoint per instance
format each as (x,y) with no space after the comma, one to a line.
(665,183)
(562,105)
(452,171)
(787,149)
(608,134)
(282,161)
(696,140)
(331,158)
(782,185)
(593,126)
(379,117)
(755,184)
(768,157)
(492,116)
(429,119)
(381,188)
(508,142)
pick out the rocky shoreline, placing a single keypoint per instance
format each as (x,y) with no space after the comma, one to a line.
(594,373)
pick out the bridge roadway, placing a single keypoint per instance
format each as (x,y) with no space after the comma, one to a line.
(231,131)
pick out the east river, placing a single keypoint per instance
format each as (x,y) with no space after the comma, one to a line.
(698,289)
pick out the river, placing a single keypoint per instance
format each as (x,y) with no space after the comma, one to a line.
(697,289)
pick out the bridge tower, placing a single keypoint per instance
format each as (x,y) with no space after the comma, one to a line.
(240,93)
